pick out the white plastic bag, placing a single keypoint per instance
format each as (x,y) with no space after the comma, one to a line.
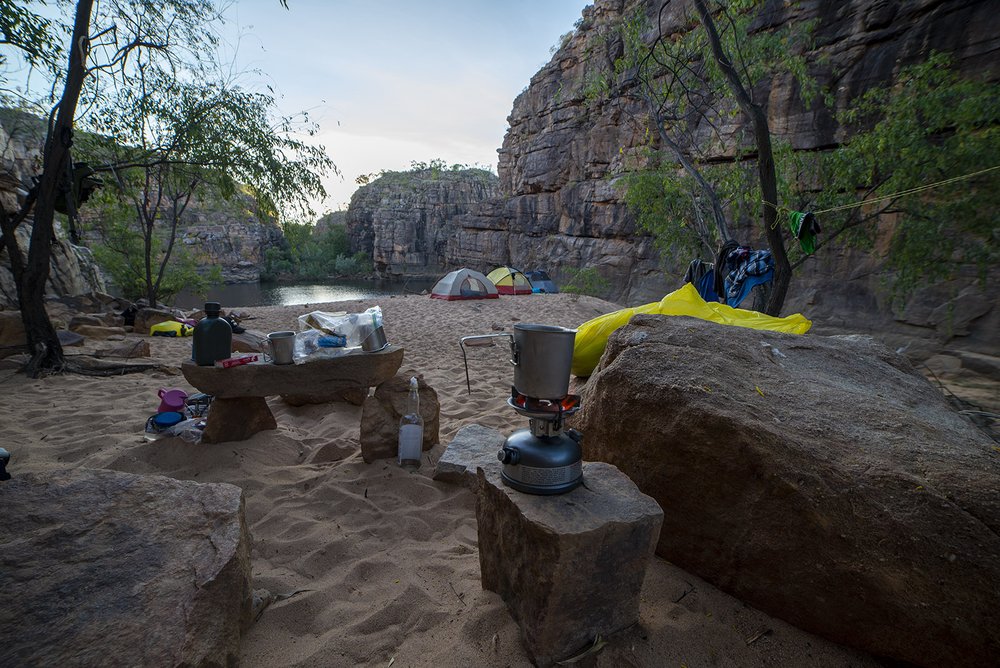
(351,326)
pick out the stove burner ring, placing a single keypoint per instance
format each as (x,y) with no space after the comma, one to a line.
(544,409)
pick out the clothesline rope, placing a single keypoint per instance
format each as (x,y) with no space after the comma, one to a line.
(901,193)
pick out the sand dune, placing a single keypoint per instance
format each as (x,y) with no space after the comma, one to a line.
(380,565)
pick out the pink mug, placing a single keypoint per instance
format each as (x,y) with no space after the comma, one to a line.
(172,400)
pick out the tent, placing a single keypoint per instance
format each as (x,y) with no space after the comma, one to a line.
(510,281)
(540,282)
(464,284)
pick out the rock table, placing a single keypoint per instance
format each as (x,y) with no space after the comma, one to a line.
(239,409)
(569,567)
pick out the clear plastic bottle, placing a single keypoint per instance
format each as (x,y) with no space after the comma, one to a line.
(411,430)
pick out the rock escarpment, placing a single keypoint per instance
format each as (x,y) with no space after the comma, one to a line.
(405,220)
(72,268)
(229,234)
(565,148)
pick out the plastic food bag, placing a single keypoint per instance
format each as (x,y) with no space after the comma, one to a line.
(314,344)
(350,326)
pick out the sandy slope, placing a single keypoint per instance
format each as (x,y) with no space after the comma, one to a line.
(385,562)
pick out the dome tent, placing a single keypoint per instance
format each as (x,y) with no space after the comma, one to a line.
(541,282)
(464,284)
(510,281)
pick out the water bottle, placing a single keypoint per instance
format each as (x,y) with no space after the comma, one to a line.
(213,337)
(411,430)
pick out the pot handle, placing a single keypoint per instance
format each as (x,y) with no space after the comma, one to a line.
(483,337)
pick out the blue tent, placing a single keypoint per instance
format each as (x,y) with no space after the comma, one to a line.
(540,282)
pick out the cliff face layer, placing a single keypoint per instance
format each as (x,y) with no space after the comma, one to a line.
(230,235)
(405,220)
(72,270)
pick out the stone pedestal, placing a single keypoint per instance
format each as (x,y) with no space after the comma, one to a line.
(570,567)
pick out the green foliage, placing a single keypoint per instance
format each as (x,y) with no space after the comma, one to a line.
(30,36)
(669,204)
(930,126)
(307,255)
(121,255)
(585,281)
(172,127)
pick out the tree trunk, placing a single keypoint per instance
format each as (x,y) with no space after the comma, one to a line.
(43,342)
(765,163)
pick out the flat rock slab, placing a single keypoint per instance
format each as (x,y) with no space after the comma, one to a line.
(318,377)
(473,447)
(569,567)
(820,479)
(105,568)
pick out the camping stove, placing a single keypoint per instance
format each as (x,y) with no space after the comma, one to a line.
(542,459)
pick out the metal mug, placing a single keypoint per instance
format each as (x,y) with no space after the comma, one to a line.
(373,339)
(282,346)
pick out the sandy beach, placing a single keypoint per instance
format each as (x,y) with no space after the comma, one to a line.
(377,566)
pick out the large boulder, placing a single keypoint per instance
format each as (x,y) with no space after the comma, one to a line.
(99,566)
(820,479)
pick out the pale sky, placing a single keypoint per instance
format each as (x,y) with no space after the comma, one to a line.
(395,81)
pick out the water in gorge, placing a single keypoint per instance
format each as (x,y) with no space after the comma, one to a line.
(291,294)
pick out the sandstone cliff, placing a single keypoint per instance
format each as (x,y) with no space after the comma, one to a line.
(406,220)
(72,269)
(229,234)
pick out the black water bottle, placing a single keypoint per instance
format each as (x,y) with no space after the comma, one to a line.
(213,337)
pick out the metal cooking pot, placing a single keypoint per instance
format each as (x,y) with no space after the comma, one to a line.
(542,356)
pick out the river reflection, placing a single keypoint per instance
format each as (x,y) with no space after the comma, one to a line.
(285,294)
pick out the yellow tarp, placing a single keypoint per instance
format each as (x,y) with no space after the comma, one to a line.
(592,336)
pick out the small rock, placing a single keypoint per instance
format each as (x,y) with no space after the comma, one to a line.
(474,446)
(381,412)
(131,349)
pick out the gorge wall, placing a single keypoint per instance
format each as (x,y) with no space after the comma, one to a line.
(72,268)
(560,206)
(405,220)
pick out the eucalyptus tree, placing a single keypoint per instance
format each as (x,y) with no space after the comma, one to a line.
(176,137)
(137,70)
(693,84)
